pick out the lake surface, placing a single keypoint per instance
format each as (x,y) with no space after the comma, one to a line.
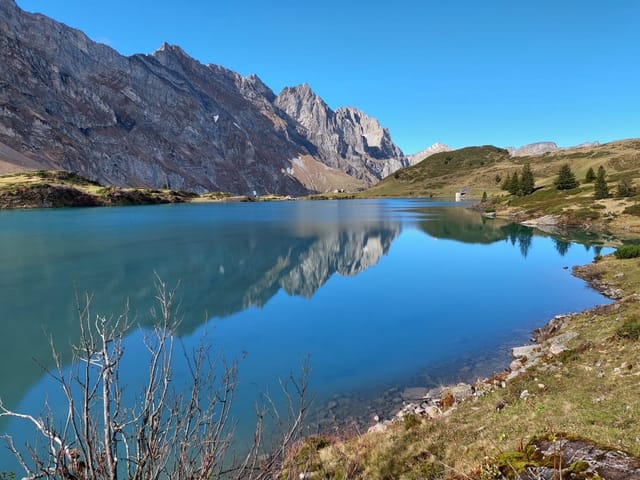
(378,294)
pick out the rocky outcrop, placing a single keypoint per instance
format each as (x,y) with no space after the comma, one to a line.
(427,152)
(541,148)
(537,148)
(364,149)
(162,120)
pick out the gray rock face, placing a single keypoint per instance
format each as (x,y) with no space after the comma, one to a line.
(159,120)
(364,149)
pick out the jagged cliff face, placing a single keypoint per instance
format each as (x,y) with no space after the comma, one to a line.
(147,120)
(346,139)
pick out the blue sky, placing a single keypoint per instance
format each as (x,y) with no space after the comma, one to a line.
(462,72)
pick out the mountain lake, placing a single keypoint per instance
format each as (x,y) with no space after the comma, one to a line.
(375,295)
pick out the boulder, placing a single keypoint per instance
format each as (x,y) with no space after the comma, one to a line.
(557,348)
(461,391)
(525,351)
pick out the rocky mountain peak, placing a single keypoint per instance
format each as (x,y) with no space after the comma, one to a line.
(172,56)
(170,49)
(537,148)
(540,148)
(303,104)
(252,84)
(167,120)
(427,152)
(365,148)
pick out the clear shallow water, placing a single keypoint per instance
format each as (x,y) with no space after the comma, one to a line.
(378,293)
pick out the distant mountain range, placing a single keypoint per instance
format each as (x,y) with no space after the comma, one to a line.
(166,120)
(538,148)
(541,148)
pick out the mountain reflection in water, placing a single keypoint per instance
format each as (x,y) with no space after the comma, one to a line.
(263,275)
(226,258)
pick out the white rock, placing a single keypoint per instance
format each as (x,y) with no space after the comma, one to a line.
(462,391)
(525,350)
(557,348)
(433,412)
(524,394)
(516,365)
(563,337)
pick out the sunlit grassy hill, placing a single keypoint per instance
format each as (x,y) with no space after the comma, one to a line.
(482,169)
(50,188)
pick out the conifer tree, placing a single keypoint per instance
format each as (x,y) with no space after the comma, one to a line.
(514,186)
(601,189)
(590,176)
(506,184)
(626,188)
(566,179)
(527,182)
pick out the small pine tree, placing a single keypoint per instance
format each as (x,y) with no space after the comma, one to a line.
(626,188)
(527,182)
(566,179)
(590,176)
(506,184)
(484,197)
(514,187)
(601,189)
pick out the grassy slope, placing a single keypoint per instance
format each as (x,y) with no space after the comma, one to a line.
(46,188)
(442,174)
(479,168)
(590,391)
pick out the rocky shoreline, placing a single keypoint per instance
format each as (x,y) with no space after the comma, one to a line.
(439,402)
(442,401)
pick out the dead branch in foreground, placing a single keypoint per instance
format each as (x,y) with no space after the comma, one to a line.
(168,432)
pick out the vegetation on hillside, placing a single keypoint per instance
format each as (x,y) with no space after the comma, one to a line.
(566,178)
(45,189)
(53,188)
(520,185)
(489,169)
(600,187)
(443,171)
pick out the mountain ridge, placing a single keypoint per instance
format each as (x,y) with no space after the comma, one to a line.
(165,119)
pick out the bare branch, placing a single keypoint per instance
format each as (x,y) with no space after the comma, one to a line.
(170,431)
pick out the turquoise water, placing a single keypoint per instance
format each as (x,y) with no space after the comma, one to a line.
(376,293)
